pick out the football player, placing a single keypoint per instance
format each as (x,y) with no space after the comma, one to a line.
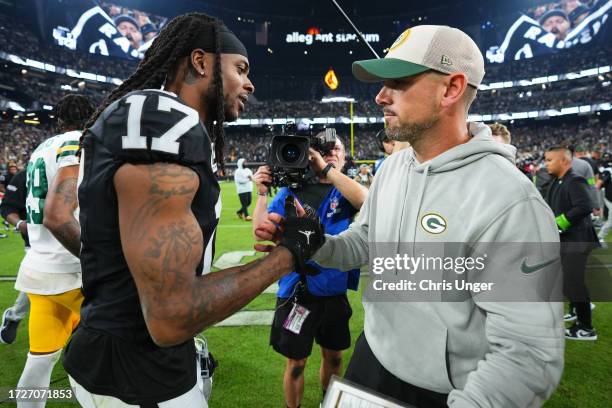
(50,274)
(149,208)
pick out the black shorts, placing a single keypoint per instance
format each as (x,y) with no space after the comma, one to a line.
(327,323)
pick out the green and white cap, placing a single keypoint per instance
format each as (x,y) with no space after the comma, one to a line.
(421,48)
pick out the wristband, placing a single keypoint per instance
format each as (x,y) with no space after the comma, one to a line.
(562,222)
(327,169)
(262,194)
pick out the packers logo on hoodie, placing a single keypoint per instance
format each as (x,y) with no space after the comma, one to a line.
(433,223)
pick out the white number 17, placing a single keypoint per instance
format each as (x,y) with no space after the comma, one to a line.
(167,142)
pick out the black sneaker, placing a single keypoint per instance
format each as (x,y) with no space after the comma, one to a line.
(579,333)
(8,329)
(570,317)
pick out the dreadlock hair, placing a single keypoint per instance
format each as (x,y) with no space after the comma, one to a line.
(73,111)
(159,65)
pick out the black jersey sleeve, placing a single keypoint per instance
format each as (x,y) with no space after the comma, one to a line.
(149,126)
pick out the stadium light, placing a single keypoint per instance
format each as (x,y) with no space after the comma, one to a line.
(15,106)
(337,99)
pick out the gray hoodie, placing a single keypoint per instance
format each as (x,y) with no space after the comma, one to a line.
(484,353)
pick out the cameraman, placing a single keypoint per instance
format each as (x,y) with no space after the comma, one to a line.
(335,198)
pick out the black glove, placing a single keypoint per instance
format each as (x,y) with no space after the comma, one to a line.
(303,236)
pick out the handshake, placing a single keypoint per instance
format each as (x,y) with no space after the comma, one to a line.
(299,232)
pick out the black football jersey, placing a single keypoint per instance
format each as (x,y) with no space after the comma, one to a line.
(111,352)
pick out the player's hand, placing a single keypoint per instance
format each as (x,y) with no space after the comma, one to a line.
(262,179)
(302,235)
(269,230)
(272,229)
(316,160)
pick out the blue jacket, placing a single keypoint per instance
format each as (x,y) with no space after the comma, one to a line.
(336,214)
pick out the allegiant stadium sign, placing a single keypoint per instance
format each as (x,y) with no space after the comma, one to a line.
(308,39)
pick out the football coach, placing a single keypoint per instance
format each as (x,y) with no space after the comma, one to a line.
(457,185)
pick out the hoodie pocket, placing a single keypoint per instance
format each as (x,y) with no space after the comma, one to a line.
(416,352)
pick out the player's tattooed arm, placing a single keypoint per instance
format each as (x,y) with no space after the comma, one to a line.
(60,204)
(163,245)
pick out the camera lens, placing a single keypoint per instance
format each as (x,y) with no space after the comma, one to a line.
(290,153)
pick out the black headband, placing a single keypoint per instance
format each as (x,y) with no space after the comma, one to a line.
(230,44)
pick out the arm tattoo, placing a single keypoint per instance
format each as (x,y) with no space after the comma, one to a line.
(166,246)
(69,235)
(167,181)
(67,189)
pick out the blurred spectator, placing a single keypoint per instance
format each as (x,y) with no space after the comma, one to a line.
(556,21)
(364,177)
(500,133)
(130,29)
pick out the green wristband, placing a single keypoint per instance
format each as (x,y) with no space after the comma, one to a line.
(562,222)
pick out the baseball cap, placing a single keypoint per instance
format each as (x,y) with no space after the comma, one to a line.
(553,12)
(421,48)
(148,28)
(577,12)
(124,17)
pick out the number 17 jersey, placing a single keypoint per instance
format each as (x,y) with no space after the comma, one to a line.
(143,127)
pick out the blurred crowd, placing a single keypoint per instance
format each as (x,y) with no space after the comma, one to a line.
(18,141)
(294,96)
(16,38)
(531,138)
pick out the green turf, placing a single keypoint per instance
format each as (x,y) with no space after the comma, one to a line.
(250,372)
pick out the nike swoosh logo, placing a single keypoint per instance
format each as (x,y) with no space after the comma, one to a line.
(532,268)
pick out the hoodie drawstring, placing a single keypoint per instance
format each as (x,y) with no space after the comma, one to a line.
(419,203)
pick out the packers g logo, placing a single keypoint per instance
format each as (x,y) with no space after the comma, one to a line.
(433,223)
(400,40)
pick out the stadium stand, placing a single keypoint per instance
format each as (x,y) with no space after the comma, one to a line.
(37,90)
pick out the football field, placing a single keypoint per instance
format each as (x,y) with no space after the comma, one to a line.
(250,372)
